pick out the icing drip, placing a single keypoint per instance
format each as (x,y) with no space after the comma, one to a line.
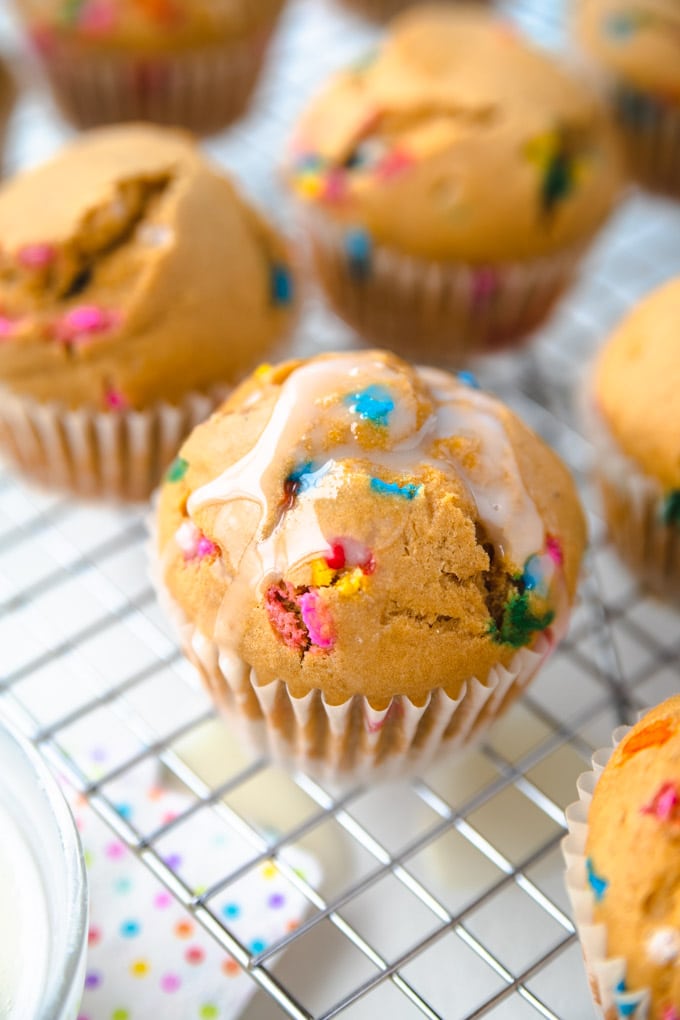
(267,524)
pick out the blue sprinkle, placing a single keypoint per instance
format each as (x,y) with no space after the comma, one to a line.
(409,491)
(622,26)
(596,882)
(307,476)
(621,987)
(469,379)
(281,282)
(374,404)
(359,250)
(627,1008)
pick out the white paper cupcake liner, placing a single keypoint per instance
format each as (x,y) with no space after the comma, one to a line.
(633,503)
(351,742)
(203,90)
(442,312)
(650,129)
(605,974)
(118,455)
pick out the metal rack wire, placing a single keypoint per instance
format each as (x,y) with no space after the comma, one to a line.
(453,905)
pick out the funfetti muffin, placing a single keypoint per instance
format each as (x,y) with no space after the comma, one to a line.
(633,46)
(623,872)
(449,186)
(135,287)
(189,63)
(368,562)
(633,413)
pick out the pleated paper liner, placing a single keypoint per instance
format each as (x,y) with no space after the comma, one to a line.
(650,130)
(633,505)
(116,455)
(442,312)
(352,741)
(203,89)
(605,974)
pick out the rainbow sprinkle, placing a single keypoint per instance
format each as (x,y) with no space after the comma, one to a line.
(664,804)
(359,252)
(374,404)
(81,324)
(408,491)
(177,470)
(670,509)
(596,882)
(281,285)
(193,543)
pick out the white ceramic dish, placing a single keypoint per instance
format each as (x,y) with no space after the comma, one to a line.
(43,891)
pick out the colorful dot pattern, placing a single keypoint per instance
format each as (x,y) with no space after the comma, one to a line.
(146,955)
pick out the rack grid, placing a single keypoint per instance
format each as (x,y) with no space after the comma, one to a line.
(441,897)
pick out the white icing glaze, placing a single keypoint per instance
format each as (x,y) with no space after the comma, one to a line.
(313,397)
(663,947)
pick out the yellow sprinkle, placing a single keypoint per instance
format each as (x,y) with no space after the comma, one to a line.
(322,575)
(309,185)
(263,370)
(350,584)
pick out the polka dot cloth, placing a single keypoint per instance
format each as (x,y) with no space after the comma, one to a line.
(147,956)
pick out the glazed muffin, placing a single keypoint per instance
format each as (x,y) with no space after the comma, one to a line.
(624,874)
(368,562)
(449,186)
(633,413)
(191,64)
(634,49)
(135,286)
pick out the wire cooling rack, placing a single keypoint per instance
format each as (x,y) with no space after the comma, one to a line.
(442,897)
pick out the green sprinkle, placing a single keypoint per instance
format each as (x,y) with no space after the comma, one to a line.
(519,622)
(670,508)
(177,470)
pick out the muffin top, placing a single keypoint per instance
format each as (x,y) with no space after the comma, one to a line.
(636,40)
(132,272)
(633,863)
(458,140)
(146,25)
(636,386)
(358,526)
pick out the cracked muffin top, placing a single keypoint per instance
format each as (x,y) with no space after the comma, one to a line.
(147,25)
(355,525)
(132,272)
(484,146)
(635,40)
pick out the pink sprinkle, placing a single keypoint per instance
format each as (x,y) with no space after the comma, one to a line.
(335,186)
(36,256)
(98,17)
(81,323)
(393,164)
(554,550)
(485,284)
(317,620)
(670,1013)
(663,804)
(206,548)
(116,400)
(7,327)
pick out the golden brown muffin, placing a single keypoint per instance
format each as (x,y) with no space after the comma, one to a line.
(634,46)
(633,861)
(448,184)
(131,274)
(176,62)
(636,428)
(367,535)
